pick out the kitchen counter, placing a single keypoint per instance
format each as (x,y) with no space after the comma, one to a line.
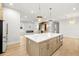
(42,37)
(44,44)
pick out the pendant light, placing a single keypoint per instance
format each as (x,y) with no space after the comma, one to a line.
(39,17)
(50,11)
(50,14)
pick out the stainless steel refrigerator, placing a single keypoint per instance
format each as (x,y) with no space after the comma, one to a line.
(1,33)
(3,36)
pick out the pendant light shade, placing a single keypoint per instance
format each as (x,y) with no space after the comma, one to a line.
(39,17)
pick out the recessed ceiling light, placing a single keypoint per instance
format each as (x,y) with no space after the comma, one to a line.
(74,8)
(32,11)
(32,21)
(72,22)
(10,4)
(25,16)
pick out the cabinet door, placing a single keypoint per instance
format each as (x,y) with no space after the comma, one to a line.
(52,46)
(1,12)
(61,38)
(33,48)
(43,49)
(58,41)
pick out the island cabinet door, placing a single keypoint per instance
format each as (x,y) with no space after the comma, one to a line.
(52,46)
(33,48)
(43,49)
(58,42)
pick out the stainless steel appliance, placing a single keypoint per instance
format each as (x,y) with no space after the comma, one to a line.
(1,29)
(3,36)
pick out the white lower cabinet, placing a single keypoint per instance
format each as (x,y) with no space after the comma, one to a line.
(45,48)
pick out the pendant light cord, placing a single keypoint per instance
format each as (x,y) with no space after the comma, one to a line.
(50,12)
(39,10)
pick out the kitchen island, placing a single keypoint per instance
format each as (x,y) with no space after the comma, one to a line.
(44,44)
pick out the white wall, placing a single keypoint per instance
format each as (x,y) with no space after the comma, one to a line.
(29,26)
(69,30)
(13,18)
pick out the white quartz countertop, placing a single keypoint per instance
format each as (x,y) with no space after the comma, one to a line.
(42,37)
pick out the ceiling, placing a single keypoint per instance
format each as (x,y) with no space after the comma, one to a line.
(59,11)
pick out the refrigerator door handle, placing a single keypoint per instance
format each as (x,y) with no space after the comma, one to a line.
(4,36)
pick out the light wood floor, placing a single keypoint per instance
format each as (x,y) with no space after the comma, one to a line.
(70,47)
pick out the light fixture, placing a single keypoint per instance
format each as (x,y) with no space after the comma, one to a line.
(25,16)
(11,4)
(32,21)
(39,17)
(74,9)
(32,11)
(72,16)
(50,12)
(72,22)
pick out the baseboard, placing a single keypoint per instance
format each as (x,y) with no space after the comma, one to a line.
(67,37)
(71,36)
(11,43)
